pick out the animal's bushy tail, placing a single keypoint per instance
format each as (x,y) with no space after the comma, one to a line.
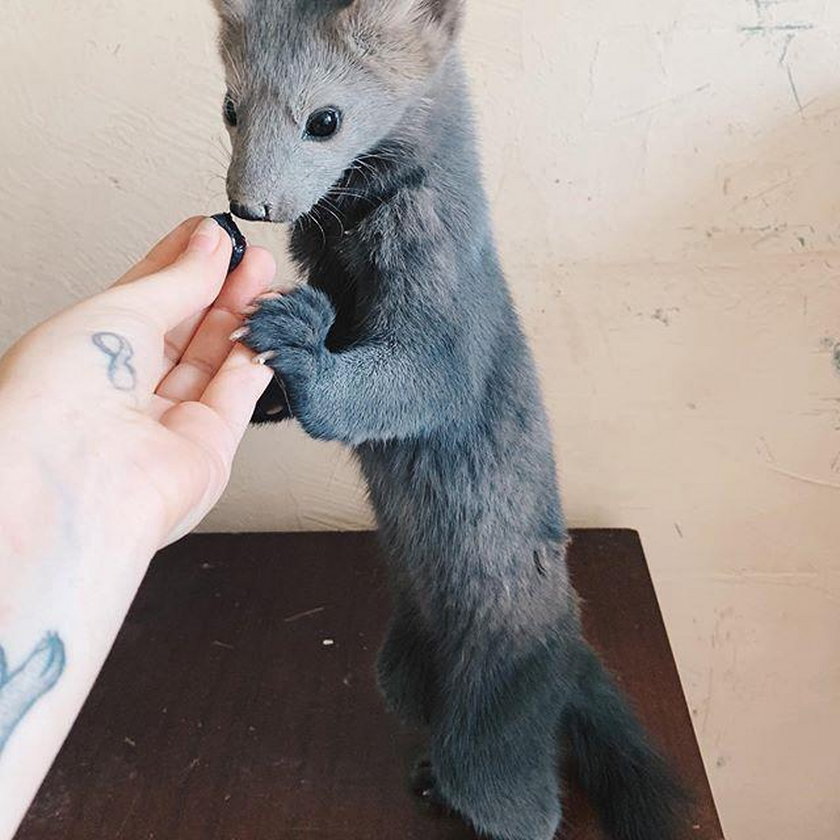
(636,795)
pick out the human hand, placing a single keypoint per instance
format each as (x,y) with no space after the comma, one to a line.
(120,417)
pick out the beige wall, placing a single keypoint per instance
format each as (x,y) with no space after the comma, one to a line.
(666,181)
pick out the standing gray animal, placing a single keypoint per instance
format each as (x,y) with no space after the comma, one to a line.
(350,120)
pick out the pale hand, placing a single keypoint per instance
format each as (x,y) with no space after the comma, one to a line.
(121,415)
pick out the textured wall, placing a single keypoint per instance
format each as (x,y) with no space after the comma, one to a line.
(665,176)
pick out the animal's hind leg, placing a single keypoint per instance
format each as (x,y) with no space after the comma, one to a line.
(405,667)
(494,750)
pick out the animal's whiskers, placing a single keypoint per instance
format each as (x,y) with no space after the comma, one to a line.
(327,204)
(310,214)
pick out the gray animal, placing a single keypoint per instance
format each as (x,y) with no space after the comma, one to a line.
(350,120)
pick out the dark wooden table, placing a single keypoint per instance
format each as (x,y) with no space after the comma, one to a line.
(239,701)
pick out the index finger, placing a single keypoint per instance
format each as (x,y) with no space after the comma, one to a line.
(183,289)
(195,352)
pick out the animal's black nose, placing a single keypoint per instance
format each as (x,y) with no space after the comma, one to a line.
(251,212)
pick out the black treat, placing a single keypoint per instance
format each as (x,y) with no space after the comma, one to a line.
(237,239)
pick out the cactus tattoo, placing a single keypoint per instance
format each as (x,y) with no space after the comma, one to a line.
(21,689)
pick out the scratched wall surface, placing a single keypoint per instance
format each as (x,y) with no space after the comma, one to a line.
(666,181)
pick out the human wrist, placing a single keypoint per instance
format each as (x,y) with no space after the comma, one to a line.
(65,584)
(62,494)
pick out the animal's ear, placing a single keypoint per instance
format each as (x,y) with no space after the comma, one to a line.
(448,14)
(421,30)
(231,9)
(445,13)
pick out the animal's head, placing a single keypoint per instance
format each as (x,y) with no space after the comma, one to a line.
(315,84)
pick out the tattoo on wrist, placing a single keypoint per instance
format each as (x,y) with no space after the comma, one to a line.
(119,351)
(21,689)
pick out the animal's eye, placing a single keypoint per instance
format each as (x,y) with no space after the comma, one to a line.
(323,124)
(230,111)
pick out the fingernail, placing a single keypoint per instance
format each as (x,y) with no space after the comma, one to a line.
(264,358)
(238,335)
(206,237)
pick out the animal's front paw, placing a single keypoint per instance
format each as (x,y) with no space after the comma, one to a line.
(290,332)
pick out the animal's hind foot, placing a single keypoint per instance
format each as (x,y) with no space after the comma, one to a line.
(498,823)
(404,670)
(425,788)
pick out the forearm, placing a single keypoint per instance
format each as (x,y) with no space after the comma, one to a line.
(413,373)
(119,420)
(381,392)
(65,586)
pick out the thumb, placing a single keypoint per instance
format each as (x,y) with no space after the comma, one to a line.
(185,287)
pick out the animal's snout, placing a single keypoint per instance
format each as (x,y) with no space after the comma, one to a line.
(251,212)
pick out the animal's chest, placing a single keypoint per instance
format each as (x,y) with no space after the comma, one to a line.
(398,487)
(343,290)
(423,485)
(345,276)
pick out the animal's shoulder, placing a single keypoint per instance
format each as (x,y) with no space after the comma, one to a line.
(420,225)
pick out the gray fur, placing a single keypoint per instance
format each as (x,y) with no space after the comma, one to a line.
(405,345)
